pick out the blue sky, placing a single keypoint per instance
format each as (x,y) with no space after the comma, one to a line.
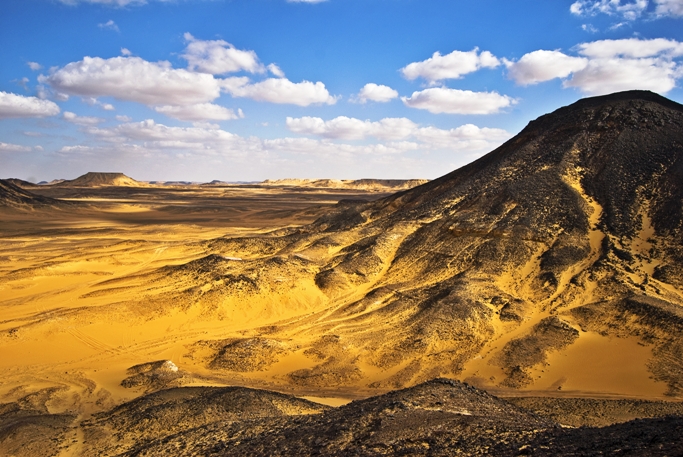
(243,90)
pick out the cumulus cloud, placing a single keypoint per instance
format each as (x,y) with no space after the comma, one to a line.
(347,128)
(376,93)
(451,66)
(81,120)
(219,57)
(399,135)
(672,8)
(109,25)
(199,112)
(279,90)
(8,147)
(454,101)
(630,10)
(14,106)
(464,137)
(605,66)
(35,66)
(541,65)
(123,118)
(134,79)
(632,47)
(612,75)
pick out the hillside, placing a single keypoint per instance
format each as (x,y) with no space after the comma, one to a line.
(15,197)
(562,244)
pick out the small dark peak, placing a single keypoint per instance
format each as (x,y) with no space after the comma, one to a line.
(18,198)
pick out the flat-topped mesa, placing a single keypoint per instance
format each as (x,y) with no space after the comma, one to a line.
(96,179)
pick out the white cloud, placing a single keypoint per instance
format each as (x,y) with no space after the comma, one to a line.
(95,102)
(279,90)
(35,66)
(541,65)
(199,112)
(123,118)
(12,105)
(606,66)
(346,128)
(464,137)
(632,47)
(453,101)
(219,57)
(376,93)
(109,25)
(589,28)
(276,71)
(81,120)
(126,52)
(604,76)
(630,10)
(134,79)
(401,135)
(451,66)
(669,8)
(8,147)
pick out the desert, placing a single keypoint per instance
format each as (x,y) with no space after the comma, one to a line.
(261,228)
(528,303)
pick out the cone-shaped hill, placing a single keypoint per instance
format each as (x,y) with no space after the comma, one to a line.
(93,179)
(565,237)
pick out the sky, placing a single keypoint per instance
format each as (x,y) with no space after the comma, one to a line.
(247,90)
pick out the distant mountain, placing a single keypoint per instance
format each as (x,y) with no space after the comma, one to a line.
(360,184)
(93,179)
(568,235)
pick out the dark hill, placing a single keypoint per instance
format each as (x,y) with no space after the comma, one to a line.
(436,418)
(13,196)
(572,226)
(21,183)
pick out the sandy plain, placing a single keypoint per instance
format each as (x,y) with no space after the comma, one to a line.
(69,335)
(88,292)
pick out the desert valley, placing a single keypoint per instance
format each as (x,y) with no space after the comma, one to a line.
(529,303)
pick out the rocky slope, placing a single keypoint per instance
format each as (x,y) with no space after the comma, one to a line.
(439,417)
(568,235)
(14,197)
